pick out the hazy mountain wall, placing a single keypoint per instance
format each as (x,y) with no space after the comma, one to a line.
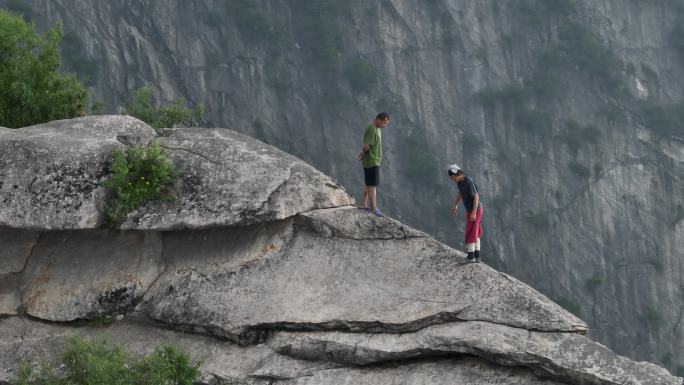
(564,112)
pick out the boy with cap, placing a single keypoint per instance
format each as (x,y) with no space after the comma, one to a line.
(467,192)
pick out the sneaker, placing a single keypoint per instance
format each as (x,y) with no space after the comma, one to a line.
(366,209)
(477,260)
(378,213)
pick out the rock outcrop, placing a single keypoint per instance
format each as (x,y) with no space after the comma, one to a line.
(298,287)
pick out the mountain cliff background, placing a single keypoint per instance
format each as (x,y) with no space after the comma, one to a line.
(568,114)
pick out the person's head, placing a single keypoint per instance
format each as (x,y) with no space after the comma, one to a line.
(382,120)
(455,173)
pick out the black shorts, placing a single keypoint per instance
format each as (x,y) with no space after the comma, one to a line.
(372,176)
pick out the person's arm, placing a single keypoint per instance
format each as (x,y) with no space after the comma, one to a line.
(368,139)
(363,152)
(454,209)
(476,201)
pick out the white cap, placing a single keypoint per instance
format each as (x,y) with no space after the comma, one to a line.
(454,168)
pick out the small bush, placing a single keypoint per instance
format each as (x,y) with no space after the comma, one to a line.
(251,20)
(316,29)
(664,120)
(421,165)
(569,305)
(594,283)
(511,94)
(20,7)
(175,114)
(98,362)
(138,175)
(580,171)
(362,75)
(534,121)
(652,316)
(473,141)
(540,221)
(32,90)
(77,61)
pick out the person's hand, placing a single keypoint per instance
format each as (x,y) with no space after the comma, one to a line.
(454,210)
(360,156)
(473,216)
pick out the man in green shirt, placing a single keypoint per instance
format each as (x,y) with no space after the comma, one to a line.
(371,157)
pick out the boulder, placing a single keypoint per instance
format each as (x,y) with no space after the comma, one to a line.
(52,177)
(562,356)
(88,274)
(311,274)
(29,340)
(15,247)
(52,174)
(229,179)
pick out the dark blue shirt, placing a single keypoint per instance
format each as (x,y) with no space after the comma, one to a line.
(468,189)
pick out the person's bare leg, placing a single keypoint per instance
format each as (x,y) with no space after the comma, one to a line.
(364,198)
(372,195)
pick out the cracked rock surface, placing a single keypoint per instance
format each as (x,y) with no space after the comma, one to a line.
(564,356)
(263,271)
(52,175)
(296,279)
(230,179)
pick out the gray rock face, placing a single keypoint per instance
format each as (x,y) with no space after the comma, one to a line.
(233,180)
(308,294)
(51,175)
(15,248)
(74,275)
(224,362)
(25,339)
(564,356)
(431,59)
(10,296)
(372,284)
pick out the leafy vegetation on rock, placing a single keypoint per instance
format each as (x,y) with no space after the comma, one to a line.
(99,362)
(174,114)
(32,90)
(138,175)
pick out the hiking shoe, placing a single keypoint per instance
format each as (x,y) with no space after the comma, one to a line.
(379,213)
(366,209)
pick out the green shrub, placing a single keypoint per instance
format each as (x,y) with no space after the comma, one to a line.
(534,121)
(594,283)
(362,75)
(137,175)
(174,114)
(678,36)
(511,94)
(251,20)
(473,141)
(98,362)
(680,371)
(539,221)
(20,7)
(315,25)
(569,305)
(575,135)
(32,90)
(584,49)
(664,120)
(421,165)
(76,60)
(652,316)
(580,171)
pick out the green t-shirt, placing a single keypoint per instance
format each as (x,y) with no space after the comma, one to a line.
(373,138)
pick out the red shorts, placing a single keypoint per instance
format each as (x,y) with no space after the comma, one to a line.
(474,228)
